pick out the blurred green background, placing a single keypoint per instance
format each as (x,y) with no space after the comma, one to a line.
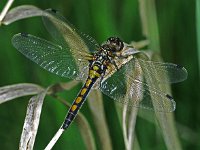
(101,19)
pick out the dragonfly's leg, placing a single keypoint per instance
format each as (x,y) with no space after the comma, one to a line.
(114,63)
(101,79)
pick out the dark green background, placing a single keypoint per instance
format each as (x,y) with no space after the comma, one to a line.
(101,19)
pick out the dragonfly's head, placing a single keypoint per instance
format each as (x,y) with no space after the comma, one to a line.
(114,44)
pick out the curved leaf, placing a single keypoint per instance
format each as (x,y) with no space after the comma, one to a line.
(18,90)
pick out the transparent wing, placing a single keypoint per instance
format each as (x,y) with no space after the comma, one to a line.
(130,87)
(52,57)
(67,35)
(163,72)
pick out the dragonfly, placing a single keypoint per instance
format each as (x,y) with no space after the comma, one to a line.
(108,67)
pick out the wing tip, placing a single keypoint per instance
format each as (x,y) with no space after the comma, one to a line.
(181,67)
(172,100)
(184,72)
(23,34)
(15,38)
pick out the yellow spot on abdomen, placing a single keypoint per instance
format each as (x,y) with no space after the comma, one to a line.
(74,107)
(78,100)
(95,68)
(88,82)
(83,91)
(94,74)
(97,74)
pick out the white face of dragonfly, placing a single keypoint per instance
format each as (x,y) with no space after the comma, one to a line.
(128,50)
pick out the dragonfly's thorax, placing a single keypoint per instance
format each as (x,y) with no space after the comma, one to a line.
(106,55)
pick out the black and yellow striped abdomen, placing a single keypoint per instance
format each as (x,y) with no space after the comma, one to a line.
(80,99)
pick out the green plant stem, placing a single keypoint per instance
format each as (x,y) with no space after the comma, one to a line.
(95,102)
(198,29)
(5,9)
(149,23)
(150,30)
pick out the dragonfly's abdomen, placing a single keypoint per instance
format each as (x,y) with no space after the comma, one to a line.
(94,74)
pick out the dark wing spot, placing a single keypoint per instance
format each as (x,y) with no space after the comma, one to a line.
(24,34)
(179,66)
(54,10)
(169,97)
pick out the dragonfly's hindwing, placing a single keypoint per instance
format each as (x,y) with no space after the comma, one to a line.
(129,86)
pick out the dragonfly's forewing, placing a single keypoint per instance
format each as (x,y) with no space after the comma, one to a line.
(52,57)
(126,86)
(67,35)
(69,58)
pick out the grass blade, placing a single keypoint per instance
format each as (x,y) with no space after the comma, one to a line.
(54,139)
(95,101)
(131,117)
(32,121)
(129,122)
(18,90)
(82,123)
(197,29)
(5,10)
(150,30)
(136,145)
(86,132)
(149,23)
(166,120)
(21,12)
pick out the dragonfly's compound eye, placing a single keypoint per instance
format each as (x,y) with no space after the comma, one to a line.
(115,43)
